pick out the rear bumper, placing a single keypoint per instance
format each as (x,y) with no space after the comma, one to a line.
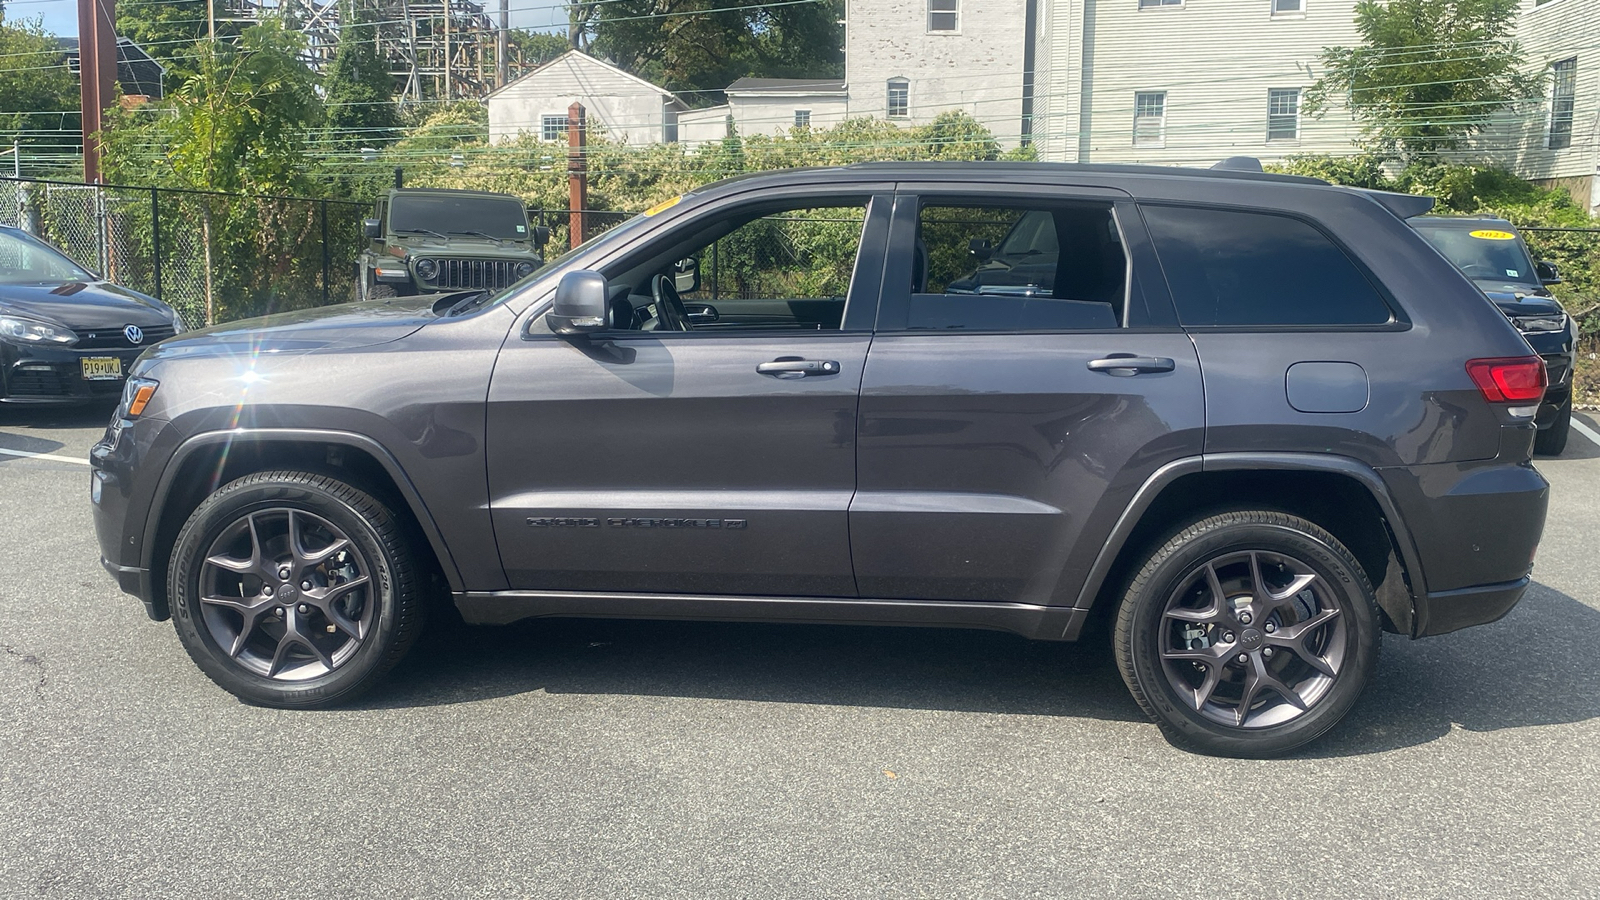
(1454,610)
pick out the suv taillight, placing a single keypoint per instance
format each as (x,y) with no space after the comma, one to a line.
(1511,379)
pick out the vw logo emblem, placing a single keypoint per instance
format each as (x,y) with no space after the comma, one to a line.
(134,334)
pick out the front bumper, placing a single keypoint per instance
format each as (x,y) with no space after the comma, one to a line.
(136,581)
(36,374)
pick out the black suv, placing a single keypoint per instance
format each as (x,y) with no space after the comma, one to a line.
(1247,420)
(1491,252)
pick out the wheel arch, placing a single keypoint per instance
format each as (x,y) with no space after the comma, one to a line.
(1346,497)
(206,461)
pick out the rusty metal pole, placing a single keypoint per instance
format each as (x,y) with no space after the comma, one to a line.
(577,175)
(97,74)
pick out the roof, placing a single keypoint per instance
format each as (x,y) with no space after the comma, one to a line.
(454,192)
(137,71)
(785,86)
(588,60)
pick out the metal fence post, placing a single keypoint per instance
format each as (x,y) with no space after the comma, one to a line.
(155,240)
(324,208)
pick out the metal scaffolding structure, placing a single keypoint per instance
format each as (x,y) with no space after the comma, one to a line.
(437,49)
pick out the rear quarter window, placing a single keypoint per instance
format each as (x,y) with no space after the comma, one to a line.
(1236,268)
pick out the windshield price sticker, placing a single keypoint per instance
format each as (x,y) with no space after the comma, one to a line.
(1493,235)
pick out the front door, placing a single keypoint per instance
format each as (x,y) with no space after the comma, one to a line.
(706,442)
(1024,381)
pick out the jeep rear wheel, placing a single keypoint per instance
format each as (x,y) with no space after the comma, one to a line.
(1553,440)
(1248,634)
(294,590)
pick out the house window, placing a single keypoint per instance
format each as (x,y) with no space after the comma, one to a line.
(553,128)
(1151,4)
(802,118)
(1283,114)
(899,98)
(944,15)
(1562,92)
(1149,118)
(1279,7)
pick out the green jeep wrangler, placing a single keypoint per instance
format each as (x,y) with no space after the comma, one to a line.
(424,241)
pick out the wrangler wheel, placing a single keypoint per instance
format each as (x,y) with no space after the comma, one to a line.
(1248,634)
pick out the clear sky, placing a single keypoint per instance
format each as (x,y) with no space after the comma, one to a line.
(61,16)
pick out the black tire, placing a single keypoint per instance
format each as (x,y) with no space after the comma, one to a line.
(1179,659)
(362,611)
(382,292)
(1553,440)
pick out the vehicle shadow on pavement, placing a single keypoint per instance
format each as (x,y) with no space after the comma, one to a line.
(1540,665)
(902,668)
(16,420)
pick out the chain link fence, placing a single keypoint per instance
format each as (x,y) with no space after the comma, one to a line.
(213,257)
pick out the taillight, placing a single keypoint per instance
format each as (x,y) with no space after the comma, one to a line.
(1511,379)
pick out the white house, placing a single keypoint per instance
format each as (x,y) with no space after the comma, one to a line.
(623,107)
(1185,82)
(767,106)
(910,60)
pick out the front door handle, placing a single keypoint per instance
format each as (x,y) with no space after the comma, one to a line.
(1125,364)
(795,367)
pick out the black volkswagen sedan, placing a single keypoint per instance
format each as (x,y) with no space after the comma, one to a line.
(65,334)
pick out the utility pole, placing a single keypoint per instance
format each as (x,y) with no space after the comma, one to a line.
(447,60)
(502,63)
(211,19)
(97,75)
(577,174)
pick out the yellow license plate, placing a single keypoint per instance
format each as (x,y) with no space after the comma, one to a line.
(102,368)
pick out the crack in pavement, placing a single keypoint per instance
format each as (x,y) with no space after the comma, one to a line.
(28,659)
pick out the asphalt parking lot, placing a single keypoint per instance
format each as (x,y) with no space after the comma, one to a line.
(612,759)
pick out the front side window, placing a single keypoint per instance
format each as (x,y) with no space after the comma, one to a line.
(1016,268)
(1150,118)
(553,128)
(1283,114)
(1563,90)
(1233,268)
(899,98)
(944,15)
(786,270)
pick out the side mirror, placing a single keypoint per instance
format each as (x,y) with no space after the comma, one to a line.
(1547,271)
(686,275)
(541,235)
(372,228)
(580,305)
(981,248)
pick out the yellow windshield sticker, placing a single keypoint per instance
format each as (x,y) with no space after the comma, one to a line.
(1493,235)
(663,206)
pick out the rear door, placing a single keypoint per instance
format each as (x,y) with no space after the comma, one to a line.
(1011,406)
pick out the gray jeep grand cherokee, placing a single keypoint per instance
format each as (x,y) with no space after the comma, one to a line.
(1250,420)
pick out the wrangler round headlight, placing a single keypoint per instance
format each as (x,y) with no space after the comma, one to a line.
(427,269)
(524,269)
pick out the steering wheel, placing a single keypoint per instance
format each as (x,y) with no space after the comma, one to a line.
(670,313)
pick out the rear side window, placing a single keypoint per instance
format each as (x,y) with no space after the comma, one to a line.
(1244,268)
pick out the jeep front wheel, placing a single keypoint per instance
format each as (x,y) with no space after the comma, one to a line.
(1248,634)
(294,590)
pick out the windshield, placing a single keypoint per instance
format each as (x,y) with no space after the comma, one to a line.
(24,261)
(450,215)
(1484,254)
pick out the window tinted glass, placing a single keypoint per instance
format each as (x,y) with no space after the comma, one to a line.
(1242,268)
(988,268)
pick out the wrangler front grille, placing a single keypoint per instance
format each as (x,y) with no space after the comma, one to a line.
(475,274)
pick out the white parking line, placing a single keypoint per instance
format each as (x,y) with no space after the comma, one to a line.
(50,456)
(1586,431)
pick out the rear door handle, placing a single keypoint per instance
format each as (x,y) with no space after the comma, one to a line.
(1124,364)
(795,367)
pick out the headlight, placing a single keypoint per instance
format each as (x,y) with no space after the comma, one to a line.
(1540,323)
(136,396)
(525,269)
(29,331)
(427,269)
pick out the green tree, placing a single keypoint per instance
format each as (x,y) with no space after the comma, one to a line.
(35,82)
(358,87)
(535,48)
(168,30)
(1429,73)
(703,45)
